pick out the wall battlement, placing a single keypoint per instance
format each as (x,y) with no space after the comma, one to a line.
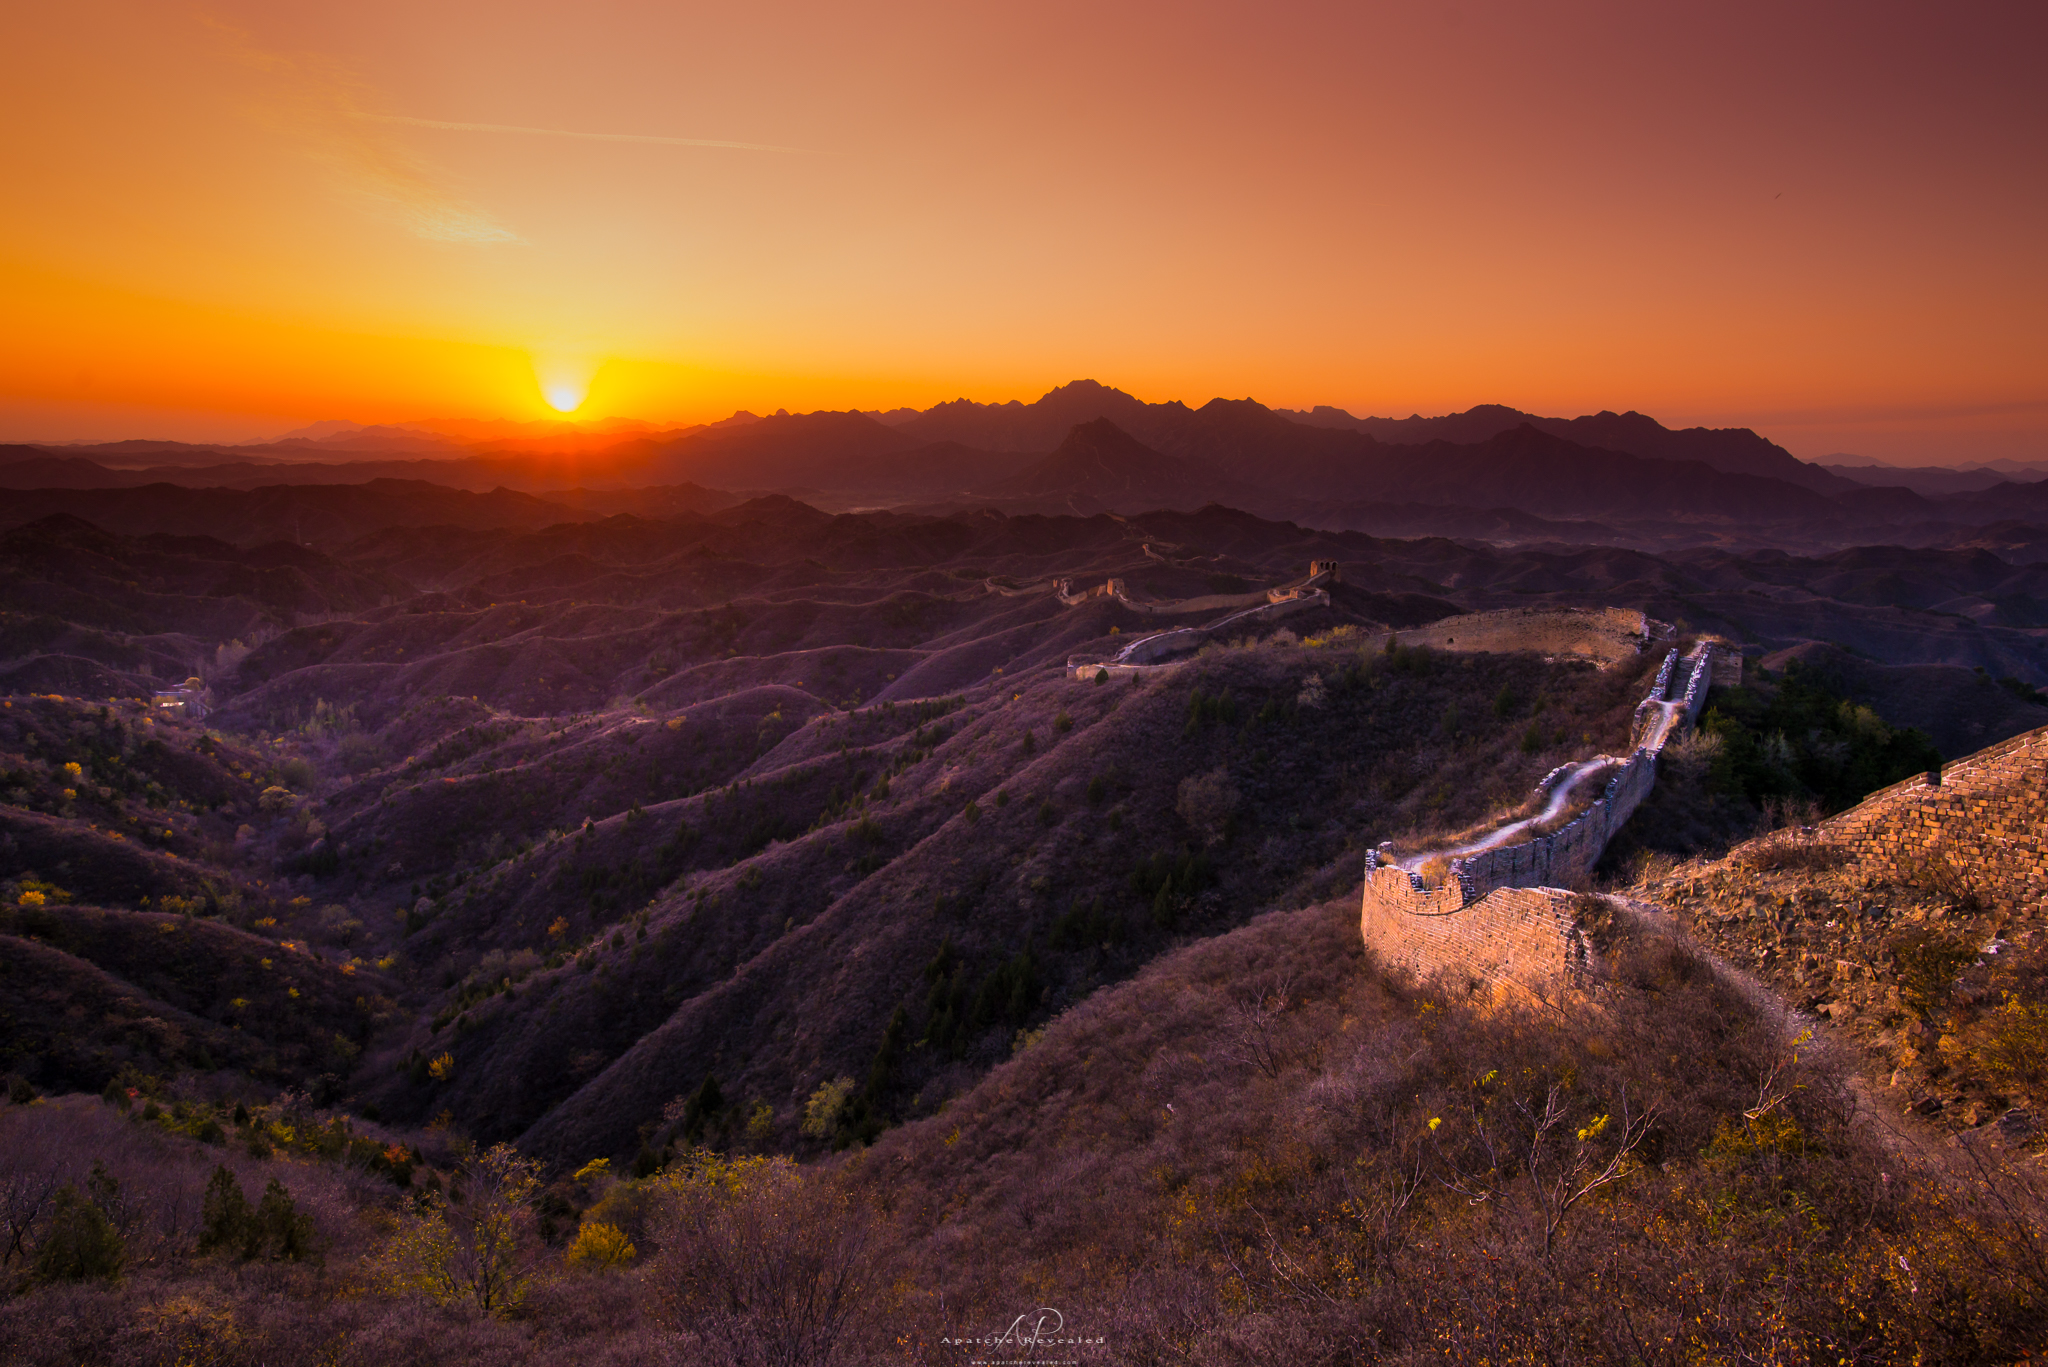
(1500,914)
(1987,814)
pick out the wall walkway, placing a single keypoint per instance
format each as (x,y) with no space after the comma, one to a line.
(1500,914)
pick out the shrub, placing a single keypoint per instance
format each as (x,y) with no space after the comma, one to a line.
(81,1243)
(1206,802)
(281,1232)
(226,1223)
(821,1112)
(1927,963)
(599,1247)
(1793,852)
(767,1263)
(468,1253)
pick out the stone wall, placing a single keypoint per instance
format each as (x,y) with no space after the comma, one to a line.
(1987,813)
(1499,915)
(1518,943)
(1209,602)
(1149,650)
(1320,572)
(1604,634)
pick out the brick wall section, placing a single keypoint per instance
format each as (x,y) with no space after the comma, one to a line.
(1518,943)
(1988,814)
(1499,916)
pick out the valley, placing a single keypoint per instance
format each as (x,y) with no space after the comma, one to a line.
(919,866)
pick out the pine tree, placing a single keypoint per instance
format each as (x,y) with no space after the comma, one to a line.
(226,1224)
(81,1245)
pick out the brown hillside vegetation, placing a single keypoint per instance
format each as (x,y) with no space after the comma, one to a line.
(1918,923)
(1256,1149)
(1037,835)
(853,973)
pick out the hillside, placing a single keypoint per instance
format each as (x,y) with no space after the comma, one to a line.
(1101,468)
(141,936)
(1915,922)
(786,832)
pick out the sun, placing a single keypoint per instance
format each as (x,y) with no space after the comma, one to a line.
(564,379)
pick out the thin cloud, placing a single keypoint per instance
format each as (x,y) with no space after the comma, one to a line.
(320,102)
(571,133)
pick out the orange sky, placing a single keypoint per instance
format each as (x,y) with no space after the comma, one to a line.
(1826,222)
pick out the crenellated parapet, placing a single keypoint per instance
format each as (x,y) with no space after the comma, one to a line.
(1500,912)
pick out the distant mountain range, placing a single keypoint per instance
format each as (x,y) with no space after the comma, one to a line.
(1492,471)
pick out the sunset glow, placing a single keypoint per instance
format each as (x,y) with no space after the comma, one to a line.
(564,380)
(233,220)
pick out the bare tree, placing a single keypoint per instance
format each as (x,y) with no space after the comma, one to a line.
(1559,1164)
(767,1262)
(1206,802)
(1253,1033)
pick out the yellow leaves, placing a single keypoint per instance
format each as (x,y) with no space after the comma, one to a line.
(950,1140)
(731,1177)
(558,927)
(442,1068)
(599,1247)
(592,1171)
(291,992)
(1435,1121)
(264,963)
(821,1112)
(1593,1130)
(73,770)
(32,898)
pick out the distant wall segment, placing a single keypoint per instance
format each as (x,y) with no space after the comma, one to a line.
(1604,634)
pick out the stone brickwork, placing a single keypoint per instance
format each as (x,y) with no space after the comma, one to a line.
(1518,943)
(1499,916)
(1987,813)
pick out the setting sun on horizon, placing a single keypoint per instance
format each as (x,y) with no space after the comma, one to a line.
(251,216)
(1148,685)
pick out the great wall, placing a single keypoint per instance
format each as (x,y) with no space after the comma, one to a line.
(1501,914)
(1987,813)
(1499,910)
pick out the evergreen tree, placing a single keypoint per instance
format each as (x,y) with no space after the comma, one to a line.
(82,1243)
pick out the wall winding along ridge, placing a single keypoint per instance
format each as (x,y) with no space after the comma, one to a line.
(1500,917)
